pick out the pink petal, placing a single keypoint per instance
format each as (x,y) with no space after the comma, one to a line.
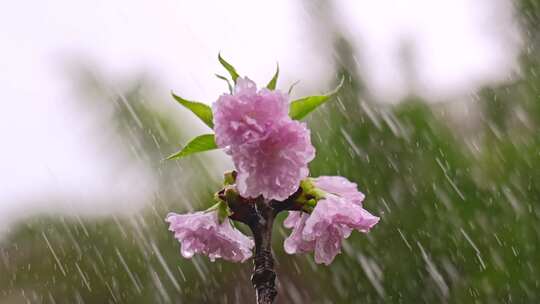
(201,233)
(340,186)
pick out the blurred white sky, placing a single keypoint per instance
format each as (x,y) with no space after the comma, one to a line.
(50,146)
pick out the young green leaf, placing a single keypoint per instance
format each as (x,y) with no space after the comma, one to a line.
(227,80)
(273,82)
(228,67)
(300,108)
(199,144)
(204,112)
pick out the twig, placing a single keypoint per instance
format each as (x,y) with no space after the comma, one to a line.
(264,276)
(259,216)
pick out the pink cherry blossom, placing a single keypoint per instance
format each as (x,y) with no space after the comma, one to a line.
(331,221)
(248,115)
(201,232)
(274,166)
(340,186)
(270,150)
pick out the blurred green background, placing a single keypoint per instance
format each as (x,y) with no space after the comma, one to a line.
(458,206)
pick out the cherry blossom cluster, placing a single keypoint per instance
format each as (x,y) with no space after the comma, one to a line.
(271,152)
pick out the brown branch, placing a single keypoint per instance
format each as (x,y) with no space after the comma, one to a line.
(259,216)
(264,276)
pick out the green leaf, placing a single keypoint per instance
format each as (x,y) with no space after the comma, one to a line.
(227,80)
(273,82)
(199,144)
(203,111)
(300,108)
(228,67)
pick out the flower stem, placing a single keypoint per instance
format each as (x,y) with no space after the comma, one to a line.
(259,215)
(264,276)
